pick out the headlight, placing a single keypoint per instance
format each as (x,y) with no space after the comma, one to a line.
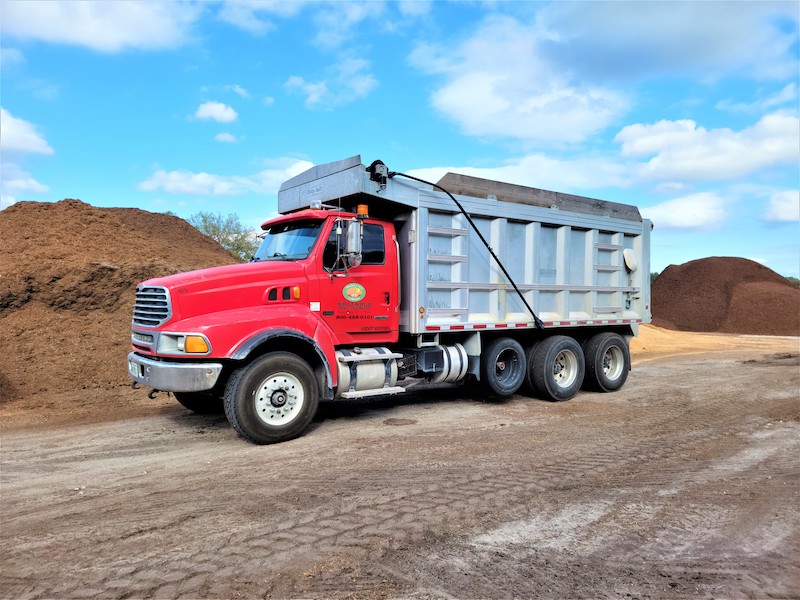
(183,343)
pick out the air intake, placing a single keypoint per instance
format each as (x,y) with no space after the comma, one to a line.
(152,308)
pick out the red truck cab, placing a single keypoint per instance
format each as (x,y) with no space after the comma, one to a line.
(310,289)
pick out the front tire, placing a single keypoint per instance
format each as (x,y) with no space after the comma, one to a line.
(273,399)
(608,361)
(503,366)
(557,368)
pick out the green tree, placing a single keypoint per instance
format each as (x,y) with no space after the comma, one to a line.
(228,232)
(653,276)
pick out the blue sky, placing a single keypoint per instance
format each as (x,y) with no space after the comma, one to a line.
(688,110)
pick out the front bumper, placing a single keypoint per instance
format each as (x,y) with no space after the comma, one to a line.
(173,376)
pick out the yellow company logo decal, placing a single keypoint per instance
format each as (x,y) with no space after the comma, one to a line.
(354,292)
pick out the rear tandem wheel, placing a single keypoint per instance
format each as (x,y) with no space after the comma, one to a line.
(503,366)
(608,361)
(557,368)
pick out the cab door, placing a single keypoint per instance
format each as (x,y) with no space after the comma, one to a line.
(361,303)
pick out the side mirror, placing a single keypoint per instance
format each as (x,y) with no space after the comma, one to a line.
(352,244)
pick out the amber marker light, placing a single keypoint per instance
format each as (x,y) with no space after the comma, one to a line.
(196,344)
(362,211)
(421,312)
(296,292)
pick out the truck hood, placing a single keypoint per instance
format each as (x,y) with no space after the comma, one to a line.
(229,287)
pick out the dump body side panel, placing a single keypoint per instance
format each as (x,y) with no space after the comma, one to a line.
(571,269)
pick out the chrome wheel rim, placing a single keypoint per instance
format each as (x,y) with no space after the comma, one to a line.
(565,369)
(279,399)
(613,362)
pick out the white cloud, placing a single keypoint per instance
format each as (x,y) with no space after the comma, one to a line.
(414,8)
(783,207)
(102,26)
(239,90)
(784,96)
(549,80)
(11,57)
(336,21)
(685,151)
(266,181)
(269,100)
(541,171)
(243,16)
(16,181)
(704,210)
(41,89)
(225,138)
(187,182)
(246,14)
(315,91)
(354,79)
(496,83)
(348,80)
(624,40)
(20,136)
(216,111)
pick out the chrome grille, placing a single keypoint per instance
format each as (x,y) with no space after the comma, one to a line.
(153,306)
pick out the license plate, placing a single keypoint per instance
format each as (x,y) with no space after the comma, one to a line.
(134,369)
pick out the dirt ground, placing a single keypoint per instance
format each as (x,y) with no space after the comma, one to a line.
(684,484)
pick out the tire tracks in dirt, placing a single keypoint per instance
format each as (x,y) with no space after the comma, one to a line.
(368,531)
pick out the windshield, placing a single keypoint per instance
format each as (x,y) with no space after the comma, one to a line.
(289,241)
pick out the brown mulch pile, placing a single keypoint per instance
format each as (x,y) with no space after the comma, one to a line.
(727,295)
(68,273)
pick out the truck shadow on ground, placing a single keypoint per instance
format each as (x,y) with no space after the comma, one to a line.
(423,395)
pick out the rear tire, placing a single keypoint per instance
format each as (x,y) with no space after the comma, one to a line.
(273,399)
(503,366)
(200,403)
(608,362)
(557,368)
(528,389)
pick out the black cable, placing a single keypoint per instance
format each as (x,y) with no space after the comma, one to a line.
(536,320)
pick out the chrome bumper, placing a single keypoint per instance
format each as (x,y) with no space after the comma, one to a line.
(173,376)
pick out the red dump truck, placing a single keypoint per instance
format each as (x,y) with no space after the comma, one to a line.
(371,280)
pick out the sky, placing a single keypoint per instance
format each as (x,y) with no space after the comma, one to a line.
(688,110)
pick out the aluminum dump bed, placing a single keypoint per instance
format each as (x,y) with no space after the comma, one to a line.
(578,261)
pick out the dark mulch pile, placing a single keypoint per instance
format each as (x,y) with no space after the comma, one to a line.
(68,273)
(728,295)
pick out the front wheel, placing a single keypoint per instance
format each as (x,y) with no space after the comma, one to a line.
(273,399)
(608,361)
(557,368)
